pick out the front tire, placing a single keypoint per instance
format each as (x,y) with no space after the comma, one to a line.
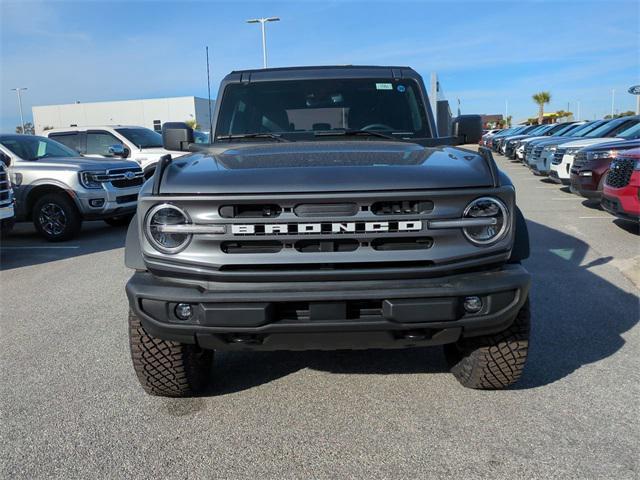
(167,368)
(492,362)
(56,217)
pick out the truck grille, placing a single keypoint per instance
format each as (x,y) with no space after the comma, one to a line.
(557,157)
(316,235)
(528,149)
(537,152)
(119,177)
(620,172)
(5,188)
(579,161)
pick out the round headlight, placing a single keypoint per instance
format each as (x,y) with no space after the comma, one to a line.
(487,208)
(166,240)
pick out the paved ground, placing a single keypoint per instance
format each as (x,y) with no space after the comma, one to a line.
(71,406)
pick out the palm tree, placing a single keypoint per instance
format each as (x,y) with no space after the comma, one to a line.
(541,98)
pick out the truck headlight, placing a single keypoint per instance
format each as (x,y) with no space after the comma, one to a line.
(573,150)
(487,208)
(90,179)
(158,228)
(601,155)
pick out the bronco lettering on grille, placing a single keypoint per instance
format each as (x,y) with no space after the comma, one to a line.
(330,227)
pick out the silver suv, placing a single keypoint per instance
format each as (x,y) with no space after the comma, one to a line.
(57,189)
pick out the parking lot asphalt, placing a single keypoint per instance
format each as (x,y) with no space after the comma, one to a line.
(71,406)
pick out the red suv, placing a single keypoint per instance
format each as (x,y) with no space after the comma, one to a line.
(621,193)
(591,165)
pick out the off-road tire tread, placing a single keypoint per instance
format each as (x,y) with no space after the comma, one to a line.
(492,362)
(167,368)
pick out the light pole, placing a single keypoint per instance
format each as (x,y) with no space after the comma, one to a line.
(262,21)
(613,101)
(18,90)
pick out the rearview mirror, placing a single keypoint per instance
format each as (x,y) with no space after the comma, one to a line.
(176,136)
(468,128)
(6,159)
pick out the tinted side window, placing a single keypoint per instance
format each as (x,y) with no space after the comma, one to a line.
(98,143)
(69,139)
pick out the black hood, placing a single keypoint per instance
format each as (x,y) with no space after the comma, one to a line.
(324,166)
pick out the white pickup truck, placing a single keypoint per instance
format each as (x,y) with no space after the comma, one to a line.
(140,144)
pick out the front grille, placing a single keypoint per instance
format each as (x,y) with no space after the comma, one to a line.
(119,177)
(580,160)
(620,172)
(537,152)
(557,157)
(5,190)
(528,149)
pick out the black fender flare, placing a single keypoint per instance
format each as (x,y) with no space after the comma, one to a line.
(520,250)
(132,250)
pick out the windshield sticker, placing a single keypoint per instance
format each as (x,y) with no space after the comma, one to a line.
(384,86)
(401,88)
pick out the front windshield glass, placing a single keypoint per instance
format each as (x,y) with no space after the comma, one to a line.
(141,137)
(603,130)
(32,148)
(288,108)
(630,133)
(564,130)
(586,128)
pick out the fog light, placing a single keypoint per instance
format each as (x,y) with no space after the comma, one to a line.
(96,202)
(472,304)
(184,311)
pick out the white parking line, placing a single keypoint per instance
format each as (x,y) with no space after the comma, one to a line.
(600,216)
(39,247)
(567,198)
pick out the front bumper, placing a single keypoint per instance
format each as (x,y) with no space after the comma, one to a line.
(624,202)
(329,315)
(7,211)
(116,201)
(586,183)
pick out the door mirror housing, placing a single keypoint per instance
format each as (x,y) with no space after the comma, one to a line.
(6,159)
(119,150)
(468,128)
(176,136)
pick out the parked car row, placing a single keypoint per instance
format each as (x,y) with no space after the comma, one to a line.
(599,159)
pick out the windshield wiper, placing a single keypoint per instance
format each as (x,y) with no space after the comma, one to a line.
(236,136)
(353,133)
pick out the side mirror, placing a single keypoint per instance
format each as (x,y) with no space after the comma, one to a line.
(6,159)
(468,128)
(118,150)
(176,136)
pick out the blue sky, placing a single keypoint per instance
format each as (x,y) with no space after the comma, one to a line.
(484,52)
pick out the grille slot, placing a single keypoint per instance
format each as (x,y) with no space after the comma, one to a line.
(402,207)
(341,245)
(326,210)
(557,157)
(259,246)
(389,244)
(320,267)
(268,210)
(620,172)
(127,198)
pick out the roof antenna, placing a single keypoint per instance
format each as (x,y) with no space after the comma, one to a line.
(209,91)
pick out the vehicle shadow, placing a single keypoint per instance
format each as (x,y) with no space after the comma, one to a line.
(578,319)
(631,227)
(23,246)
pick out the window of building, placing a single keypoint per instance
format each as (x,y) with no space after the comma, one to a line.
(157,125)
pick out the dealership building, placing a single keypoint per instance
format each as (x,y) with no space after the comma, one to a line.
(150,113)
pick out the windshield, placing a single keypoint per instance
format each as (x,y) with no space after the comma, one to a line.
(630,133)
(32,148)
(141,137)
(608,129)
(566,129)
(586,128)
(288,108)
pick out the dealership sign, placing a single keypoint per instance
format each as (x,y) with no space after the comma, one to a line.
(635,90)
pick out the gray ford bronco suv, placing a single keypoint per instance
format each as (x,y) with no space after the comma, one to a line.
(326,214)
